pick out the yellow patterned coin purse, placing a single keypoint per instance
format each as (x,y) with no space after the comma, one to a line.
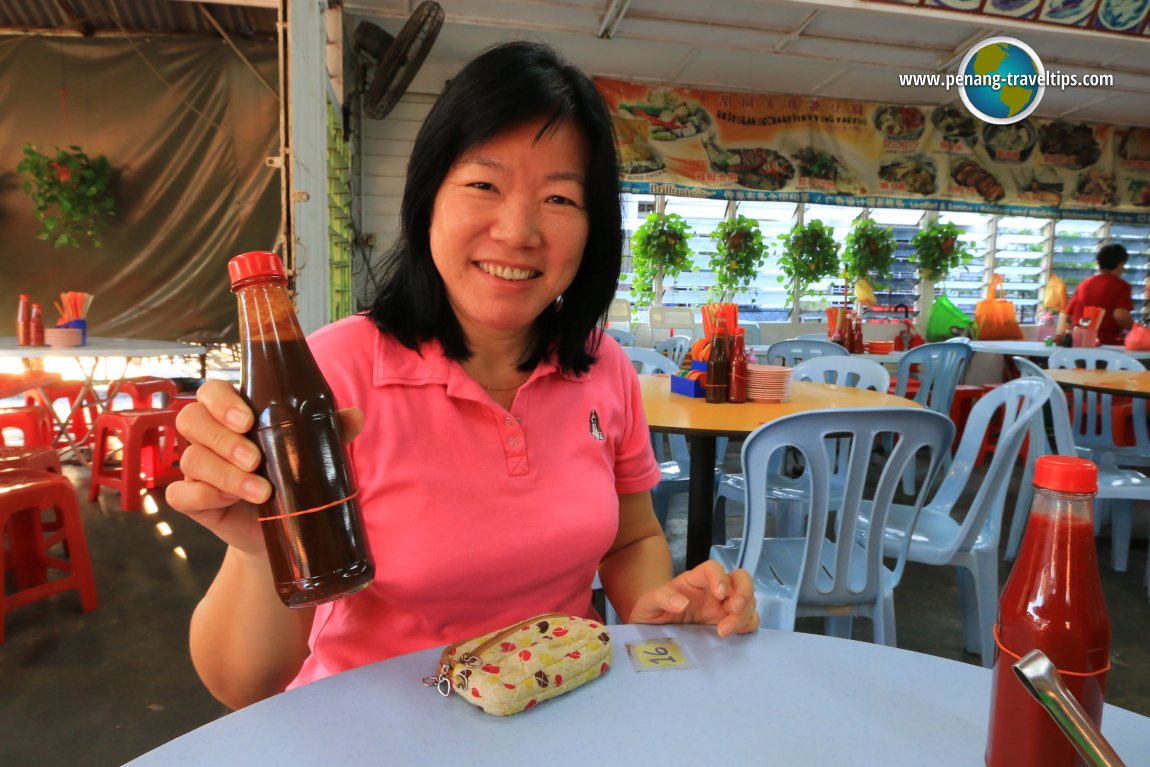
(518,667)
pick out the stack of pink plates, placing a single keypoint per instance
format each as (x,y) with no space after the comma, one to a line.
(768,383)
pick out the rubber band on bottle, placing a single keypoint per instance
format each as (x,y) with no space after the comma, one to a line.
(311,510)
(1003,649)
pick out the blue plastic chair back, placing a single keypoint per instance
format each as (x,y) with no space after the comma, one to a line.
(674,348)
(751,335)
(855,372)
(1018,407)
(1091,418)
(794,350)
(624,337)
(1060,414)
(838,566)
(649,361)
(941,368)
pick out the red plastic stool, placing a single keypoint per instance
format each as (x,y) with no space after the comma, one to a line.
(83,414)
(38,458)
(23,491)
(965,395)
(143,388)
(149,454)
(32,421)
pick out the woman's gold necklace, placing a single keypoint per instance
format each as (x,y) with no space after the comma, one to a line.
(485,387)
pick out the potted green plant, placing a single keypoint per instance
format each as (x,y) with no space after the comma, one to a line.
(868,253)
(71,194)
(739,252)
(659,249)
(810,253)
(939,251)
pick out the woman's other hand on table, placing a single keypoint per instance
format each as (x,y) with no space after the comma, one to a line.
(220,489)
(706,594)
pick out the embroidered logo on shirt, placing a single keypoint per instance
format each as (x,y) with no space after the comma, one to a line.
(593,423)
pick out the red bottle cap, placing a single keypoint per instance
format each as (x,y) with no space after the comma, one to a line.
(23,296)
(258,263)
(1066,474)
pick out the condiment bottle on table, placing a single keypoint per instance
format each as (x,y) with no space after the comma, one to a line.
(311,523)
(1052,602)
(718,365)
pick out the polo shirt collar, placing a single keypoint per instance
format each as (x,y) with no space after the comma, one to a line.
(394,363)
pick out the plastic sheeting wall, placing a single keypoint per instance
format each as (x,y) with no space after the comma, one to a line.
(189,126)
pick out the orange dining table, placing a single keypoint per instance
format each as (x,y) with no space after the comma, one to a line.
(704,423)
(1128,383)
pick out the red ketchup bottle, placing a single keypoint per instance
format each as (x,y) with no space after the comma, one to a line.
(36,326)
(311,524)
(23,320)
(737,385)
(1052,602)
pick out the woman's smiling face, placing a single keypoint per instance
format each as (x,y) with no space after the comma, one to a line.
(509,226)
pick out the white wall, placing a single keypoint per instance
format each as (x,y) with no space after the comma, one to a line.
(385,146)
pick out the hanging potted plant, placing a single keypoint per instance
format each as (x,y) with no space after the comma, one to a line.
(739,252)
(868,253)
(939,251)
(71,194)
(659,249)
(810,253)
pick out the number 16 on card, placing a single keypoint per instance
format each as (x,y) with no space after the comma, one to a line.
(657,655)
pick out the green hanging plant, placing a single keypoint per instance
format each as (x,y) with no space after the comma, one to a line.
(939,251)
(71,194)
(659,249)
(810,253)
(739,252)
(869,253)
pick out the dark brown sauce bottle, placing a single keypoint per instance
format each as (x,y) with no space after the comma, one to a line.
(311,524)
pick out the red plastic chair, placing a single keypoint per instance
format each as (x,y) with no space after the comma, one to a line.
(24,496)
(83,404)
(149,454)
(32,421)
(143,389)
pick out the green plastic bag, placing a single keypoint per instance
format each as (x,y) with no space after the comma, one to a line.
(948,321)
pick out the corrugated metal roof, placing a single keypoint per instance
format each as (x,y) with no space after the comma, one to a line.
(117,17)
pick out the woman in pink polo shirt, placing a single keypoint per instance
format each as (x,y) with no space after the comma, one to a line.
(502,455)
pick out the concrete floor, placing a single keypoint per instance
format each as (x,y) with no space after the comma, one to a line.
(101,688)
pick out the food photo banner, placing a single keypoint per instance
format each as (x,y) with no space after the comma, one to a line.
(698,143)
(1128,17)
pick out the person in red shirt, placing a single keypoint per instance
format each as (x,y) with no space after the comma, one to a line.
(1109,291)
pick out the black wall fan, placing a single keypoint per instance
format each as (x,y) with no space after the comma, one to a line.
(394,61)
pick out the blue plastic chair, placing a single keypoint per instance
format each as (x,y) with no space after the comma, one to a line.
(969,541)
(833,571)
(941,368)
(674,348)
(855,372)
(624,337)
(841,371)
(1118,487)
(675,474)
(938,368)
(1091,421)
(794,350)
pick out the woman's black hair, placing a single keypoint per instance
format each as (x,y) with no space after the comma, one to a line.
(502,88)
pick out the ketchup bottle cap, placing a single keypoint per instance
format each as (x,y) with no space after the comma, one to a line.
(1066,474)
(258,263)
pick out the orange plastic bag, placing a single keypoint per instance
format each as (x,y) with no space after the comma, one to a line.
(1138,338)
(1054,297)
(995,316)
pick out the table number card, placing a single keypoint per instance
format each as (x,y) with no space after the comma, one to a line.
(660,654)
